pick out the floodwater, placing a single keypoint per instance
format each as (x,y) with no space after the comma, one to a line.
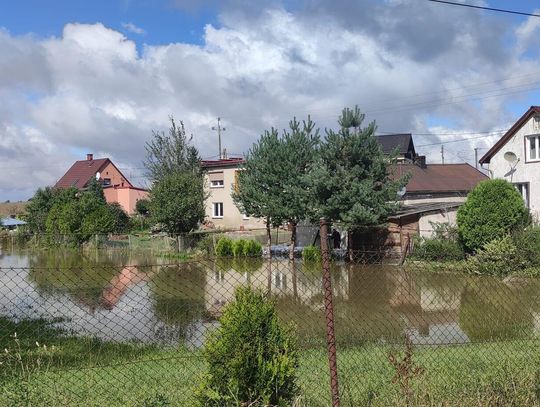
(141,297)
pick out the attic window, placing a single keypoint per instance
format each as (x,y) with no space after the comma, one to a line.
(532,148)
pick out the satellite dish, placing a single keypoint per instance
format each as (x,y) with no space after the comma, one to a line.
(98,176)
(510,157)
(402,192)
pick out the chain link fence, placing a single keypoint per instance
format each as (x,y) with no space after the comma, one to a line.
(115,328)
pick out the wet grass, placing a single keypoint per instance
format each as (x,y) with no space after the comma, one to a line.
(86,372)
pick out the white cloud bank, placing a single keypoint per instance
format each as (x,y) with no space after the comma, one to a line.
(90,90)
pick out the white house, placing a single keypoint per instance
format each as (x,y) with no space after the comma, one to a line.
(516,158)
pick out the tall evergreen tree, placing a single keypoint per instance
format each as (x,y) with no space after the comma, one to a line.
(350,183)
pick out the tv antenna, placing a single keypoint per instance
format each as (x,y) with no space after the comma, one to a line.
(219,129)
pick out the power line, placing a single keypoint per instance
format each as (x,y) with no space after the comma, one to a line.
(451,141)
(500,10)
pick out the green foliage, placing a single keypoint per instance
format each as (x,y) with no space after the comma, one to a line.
(438,249)
(206,243)
(120,217)
(350,183)
(272,184)
(158,400)
(492,210)
(142,207)
(172,153)
(238,247)
(500,257)
(527,242)
(224,247)
(311,254)
(177,202)
(252,358)
(252,248)
(40,205)
(95,189)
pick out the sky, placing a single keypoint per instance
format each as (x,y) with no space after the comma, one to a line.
(99,77)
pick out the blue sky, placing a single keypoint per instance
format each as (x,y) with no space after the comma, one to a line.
(99,76)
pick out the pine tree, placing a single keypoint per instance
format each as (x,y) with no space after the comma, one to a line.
(350,183)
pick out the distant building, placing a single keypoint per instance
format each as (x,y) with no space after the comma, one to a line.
(515,157)
(221,212)
(400,144)
(11,223)
(116,186)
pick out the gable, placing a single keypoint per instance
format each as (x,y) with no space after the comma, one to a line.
(533,111)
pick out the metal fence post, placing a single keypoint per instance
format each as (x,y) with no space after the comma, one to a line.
(329,312)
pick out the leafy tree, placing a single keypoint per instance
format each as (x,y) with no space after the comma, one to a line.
(172,153)
(350,183)
(40,205)
(177,201)
(492,210)
(252,358)
(142,207)
(119,216)
(94,188)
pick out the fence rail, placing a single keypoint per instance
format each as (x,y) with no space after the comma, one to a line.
(80,329)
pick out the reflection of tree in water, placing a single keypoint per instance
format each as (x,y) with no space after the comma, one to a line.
(178,293)
(370,313)
(491,310)
(72,273)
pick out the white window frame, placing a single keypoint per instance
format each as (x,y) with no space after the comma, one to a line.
(217,210)
(217,184)
(523,189)
(529,140)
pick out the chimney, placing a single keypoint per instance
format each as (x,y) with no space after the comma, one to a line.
(421,161)
(89,157)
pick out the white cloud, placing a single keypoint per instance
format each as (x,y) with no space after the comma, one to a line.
(133,28)
(90,90)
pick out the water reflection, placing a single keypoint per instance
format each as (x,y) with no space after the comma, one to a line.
(150,301)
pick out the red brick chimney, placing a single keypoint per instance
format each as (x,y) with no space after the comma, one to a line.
(89,157)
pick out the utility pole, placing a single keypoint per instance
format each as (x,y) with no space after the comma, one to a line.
(476,157)
(442,153)
(219,129)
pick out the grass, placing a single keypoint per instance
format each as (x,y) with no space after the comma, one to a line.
(88,372)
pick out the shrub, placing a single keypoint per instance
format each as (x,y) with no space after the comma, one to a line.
(253,248)
(238,247)
(224,247)
(438,249)
(492,210)
(499,257)
(528,245)
(206,243)
(311,254)
(252,358)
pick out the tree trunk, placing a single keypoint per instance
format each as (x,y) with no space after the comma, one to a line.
(350,251)
(293,241)
(268,239)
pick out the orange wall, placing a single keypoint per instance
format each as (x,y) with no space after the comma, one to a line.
(116,177)
(126,197)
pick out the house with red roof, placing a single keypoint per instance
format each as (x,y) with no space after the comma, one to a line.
(116,186)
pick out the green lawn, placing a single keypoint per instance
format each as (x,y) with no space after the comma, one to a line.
(83,372)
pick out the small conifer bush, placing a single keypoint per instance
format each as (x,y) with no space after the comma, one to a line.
(252,358)
(311,254)
(252,248)
(238,247)
(224,247)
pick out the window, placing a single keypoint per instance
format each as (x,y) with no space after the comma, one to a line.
(218,209)
(523,188)
(106,182)
(532,146)
(216,179)
(216,184)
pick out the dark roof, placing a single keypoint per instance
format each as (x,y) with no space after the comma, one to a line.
(424,208)
(81,172)
(402,142)
(439,178)
(224,162)
(533,110)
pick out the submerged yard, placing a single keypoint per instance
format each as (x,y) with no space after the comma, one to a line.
(92,332)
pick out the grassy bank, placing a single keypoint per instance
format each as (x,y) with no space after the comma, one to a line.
(84,372)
